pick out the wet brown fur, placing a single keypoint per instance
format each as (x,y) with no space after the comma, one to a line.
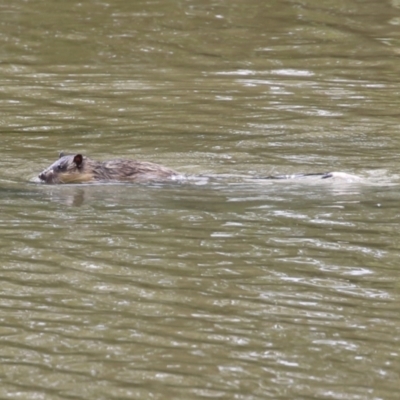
(80,169)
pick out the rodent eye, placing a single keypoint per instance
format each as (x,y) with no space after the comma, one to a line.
(60,167)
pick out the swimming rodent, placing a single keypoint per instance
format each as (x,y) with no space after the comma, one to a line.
(80,169)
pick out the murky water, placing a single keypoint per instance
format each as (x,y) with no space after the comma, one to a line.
(232,288)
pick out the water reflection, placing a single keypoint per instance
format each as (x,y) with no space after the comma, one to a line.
(247,188)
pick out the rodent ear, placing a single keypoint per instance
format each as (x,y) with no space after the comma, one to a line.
(78,160)
(61,154)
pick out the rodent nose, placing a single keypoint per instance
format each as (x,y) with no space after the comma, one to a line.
(41,177)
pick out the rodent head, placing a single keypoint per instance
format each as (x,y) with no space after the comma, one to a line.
(67,169)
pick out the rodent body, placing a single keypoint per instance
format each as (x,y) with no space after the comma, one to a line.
(80,169)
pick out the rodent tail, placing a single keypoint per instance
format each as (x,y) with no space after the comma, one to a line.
(322,175)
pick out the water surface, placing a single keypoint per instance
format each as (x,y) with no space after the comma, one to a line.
(230,288)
